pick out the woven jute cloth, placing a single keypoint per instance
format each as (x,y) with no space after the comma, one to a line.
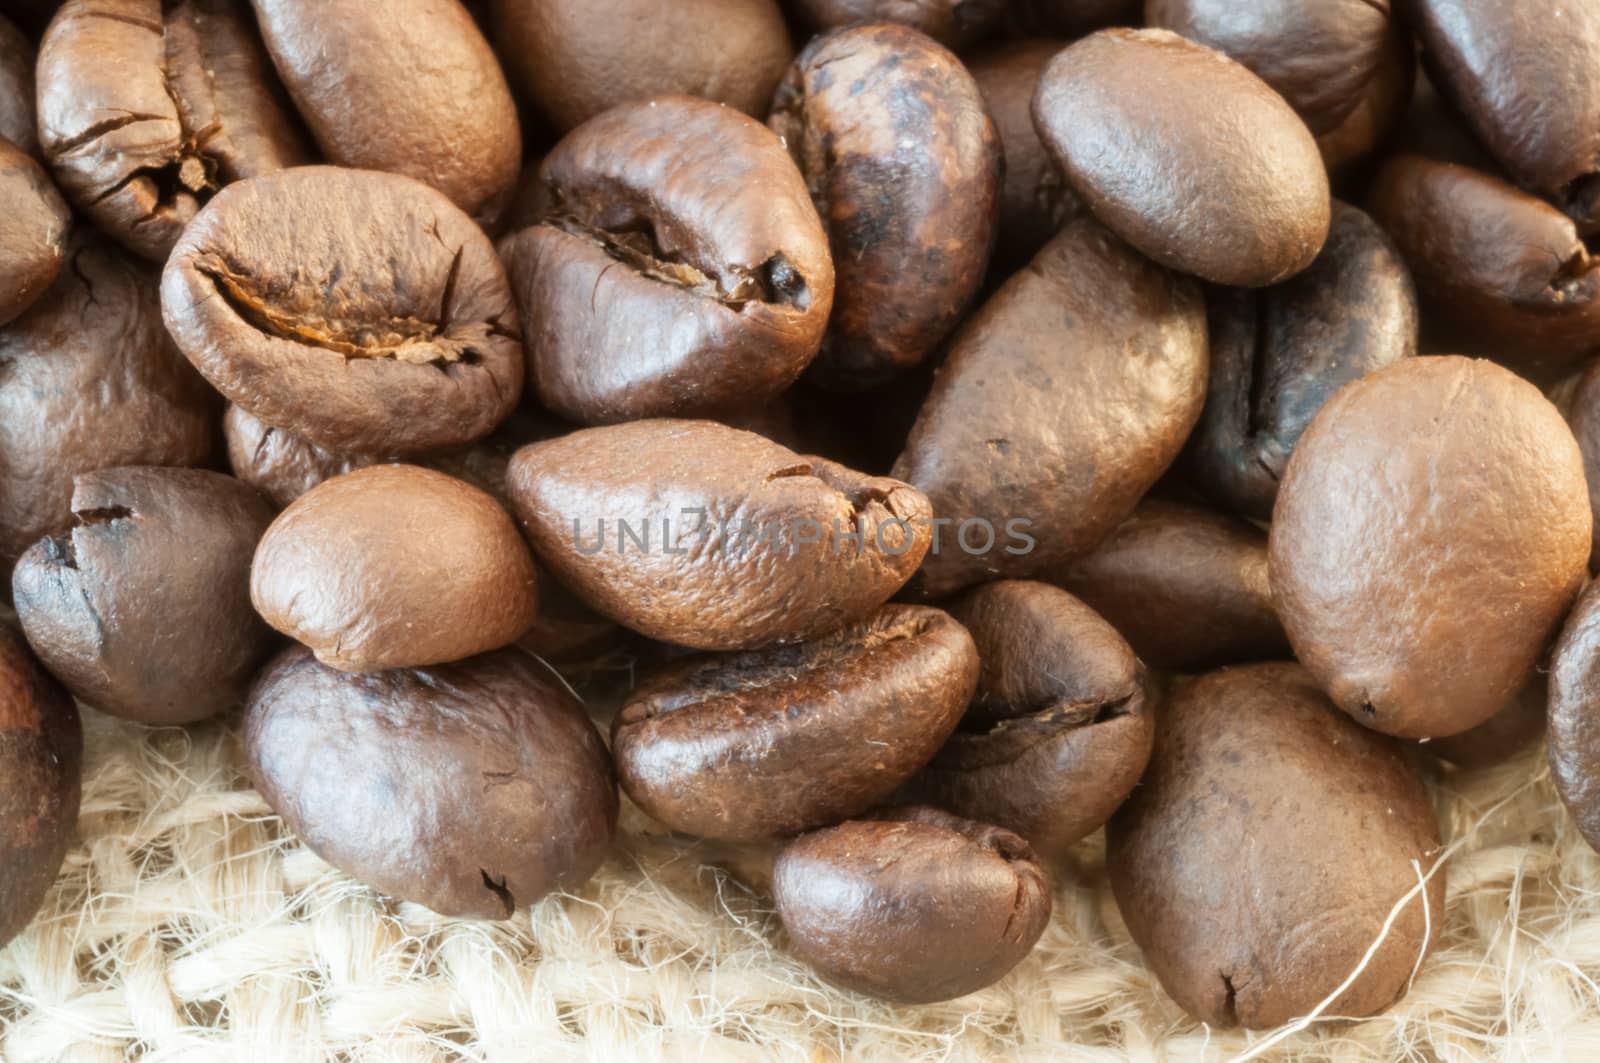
(188,924)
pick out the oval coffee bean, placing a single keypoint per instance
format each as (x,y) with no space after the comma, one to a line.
(953,23)
(1173,180)
(16,88)
(33,232)
(1574,738)
(1502,736)
(709,537)
(472,788)
(579,58)
(146,108)
(1278,353)
(1432,531)
(904,164)
(1061,727)
(41,768)
(394,566)
(406,86)
(678,266)
(143,608)
(916,906)
(360,310)
(1032,456)
(770,742)
(1584,419)
(1259,859)
(1379,111)
(280,464)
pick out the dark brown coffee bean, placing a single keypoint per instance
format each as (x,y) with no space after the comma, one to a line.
(278,463)
(578,58)
(1380,110)
(703,535)
(1277,355)
(1221,180)
(406,86)
(1432,531)
(917,906)
(767,743)
(1500,737)
(90,381)
(41,766)
(1584,419)
(1019,443)
(1185,586)
(1574,739)
(360,310)
(16,89)
(33,231)
(147,108)
(904,164)
(472,788)
(678,266)
(1268,843)
(143,608)
(394,566)
(1060,729)
(953,23)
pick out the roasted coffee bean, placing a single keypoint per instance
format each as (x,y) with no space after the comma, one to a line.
(1064,398)
(916,906)
(1527,77)
(394,566)
(1185,586)
(16,89)
(1584,419)
(953,23)
(904,164)
(91,381)
(678,266)
(1500,273)
(1259,859)
(1380,110)
(278,463)
(1277,354)
(41,766)
(1060,729)
(360,310)
(471,788)
(1222,180)
(1432,530)
(406,86)
(143,608)
(770,742)
(1574,738)
(33,231)
(578,58)
(1500,737)
(703,535)
(147,107)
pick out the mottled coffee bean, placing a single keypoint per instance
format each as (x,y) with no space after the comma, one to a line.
(146,108)
(1278,353)
(395,566)
(678,266)
(33,231)
(1502,736)
(904,164)
(406,86)
(1380,110)
(1060,729)
(143,608)
(1574,736)
(41,766)
(16,89)
(709,537)
(472,788)
(916,906)
(1584,419)
(1259,859)
(770,742)
(1432,531)
(953,23)
(1063,399)
(578,58)
(360,310)
(90,381)
(1221,179)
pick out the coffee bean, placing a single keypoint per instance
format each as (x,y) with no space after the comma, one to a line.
(1574,743)
(1378,113)
(678,266)
(404,341)
(1432,530)
(1263,852)
(394,566)
(16,89)
(766,743)
(917,906)
(1221,180)
(1015,431)
(280,464)
(143,608)
(904,164)
(471,788)
(953,23)
(33,235)
(1502,736)
(1584,419)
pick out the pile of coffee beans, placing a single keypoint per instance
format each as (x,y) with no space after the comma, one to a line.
(927,432)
